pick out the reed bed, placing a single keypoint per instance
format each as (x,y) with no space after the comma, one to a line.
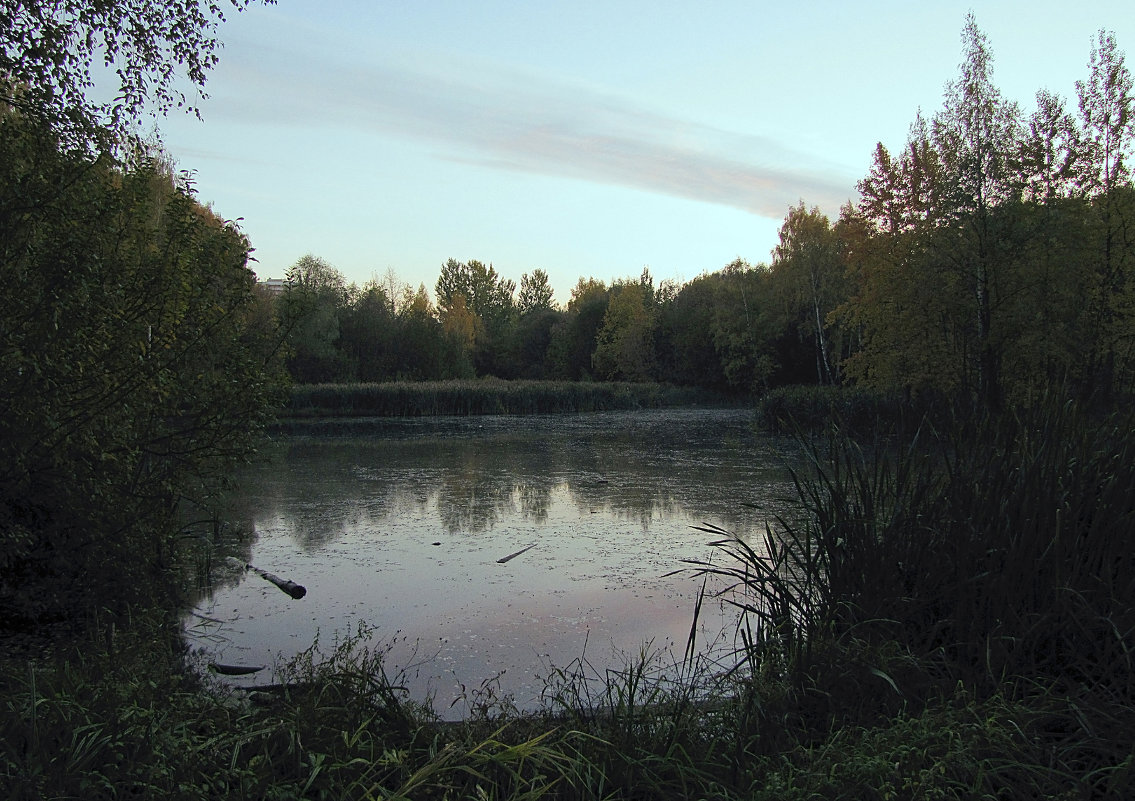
(486,396)
(986,562)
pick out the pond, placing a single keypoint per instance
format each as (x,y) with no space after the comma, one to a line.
(408,526)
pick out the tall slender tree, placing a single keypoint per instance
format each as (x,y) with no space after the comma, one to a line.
(808,274)
(976,135)
(1107,114)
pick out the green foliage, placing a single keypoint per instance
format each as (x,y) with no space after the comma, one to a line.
(135,362)
(573,339)
(947,615)
(624,344)
(48,51)
(809,281)
(476,305)
(1107,111)
(685,353)
(992,256)
(989,554)
(535,293)
(956,749)
(117,721)
(527,352)
(814,408)
(367,332)
(309,311)
(486,294)
(424,351)
(725,331)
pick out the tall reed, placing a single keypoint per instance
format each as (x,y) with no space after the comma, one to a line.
(994,553)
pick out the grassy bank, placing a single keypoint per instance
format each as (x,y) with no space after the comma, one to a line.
(486,396)
(952,615)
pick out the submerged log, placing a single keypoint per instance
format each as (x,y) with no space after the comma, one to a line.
(297,591)
(234,670)
(514,555)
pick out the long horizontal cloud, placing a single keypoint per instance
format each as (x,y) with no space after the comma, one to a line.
(518,123)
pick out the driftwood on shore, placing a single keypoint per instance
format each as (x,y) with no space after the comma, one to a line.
(296,591)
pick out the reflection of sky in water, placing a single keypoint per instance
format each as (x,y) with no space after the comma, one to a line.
(403,529)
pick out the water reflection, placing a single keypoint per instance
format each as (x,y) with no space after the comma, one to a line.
(632,466)
(404,527)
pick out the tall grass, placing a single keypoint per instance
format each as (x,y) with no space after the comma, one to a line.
(485,396)
(992,554)
(651,724)
(100,724)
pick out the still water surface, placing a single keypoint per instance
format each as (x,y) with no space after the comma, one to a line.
(403,528)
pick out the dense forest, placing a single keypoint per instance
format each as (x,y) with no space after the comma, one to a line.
(991,255)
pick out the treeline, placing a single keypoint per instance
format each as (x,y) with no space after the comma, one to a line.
(735,330)
(991,257)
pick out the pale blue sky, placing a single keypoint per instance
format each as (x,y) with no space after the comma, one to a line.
(583,138)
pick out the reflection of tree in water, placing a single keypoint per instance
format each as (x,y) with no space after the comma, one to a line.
(629,474)
(535,470)
(631,497)
(414,495)
(487,478)
(535,498)
(315,525)
(637,468)
(317,491)
(471,500)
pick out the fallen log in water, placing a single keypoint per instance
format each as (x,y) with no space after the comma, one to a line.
(234,670)
(297,591)
(514,555)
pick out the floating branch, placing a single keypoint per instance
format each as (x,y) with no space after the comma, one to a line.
(235,670)
(297,591)
(514,555)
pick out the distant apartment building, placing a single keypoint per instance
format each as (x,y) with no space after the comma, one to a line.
(274,286)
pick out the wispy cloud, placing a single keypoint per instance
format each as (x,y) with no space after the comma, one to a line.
(191,154)
(518,122)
